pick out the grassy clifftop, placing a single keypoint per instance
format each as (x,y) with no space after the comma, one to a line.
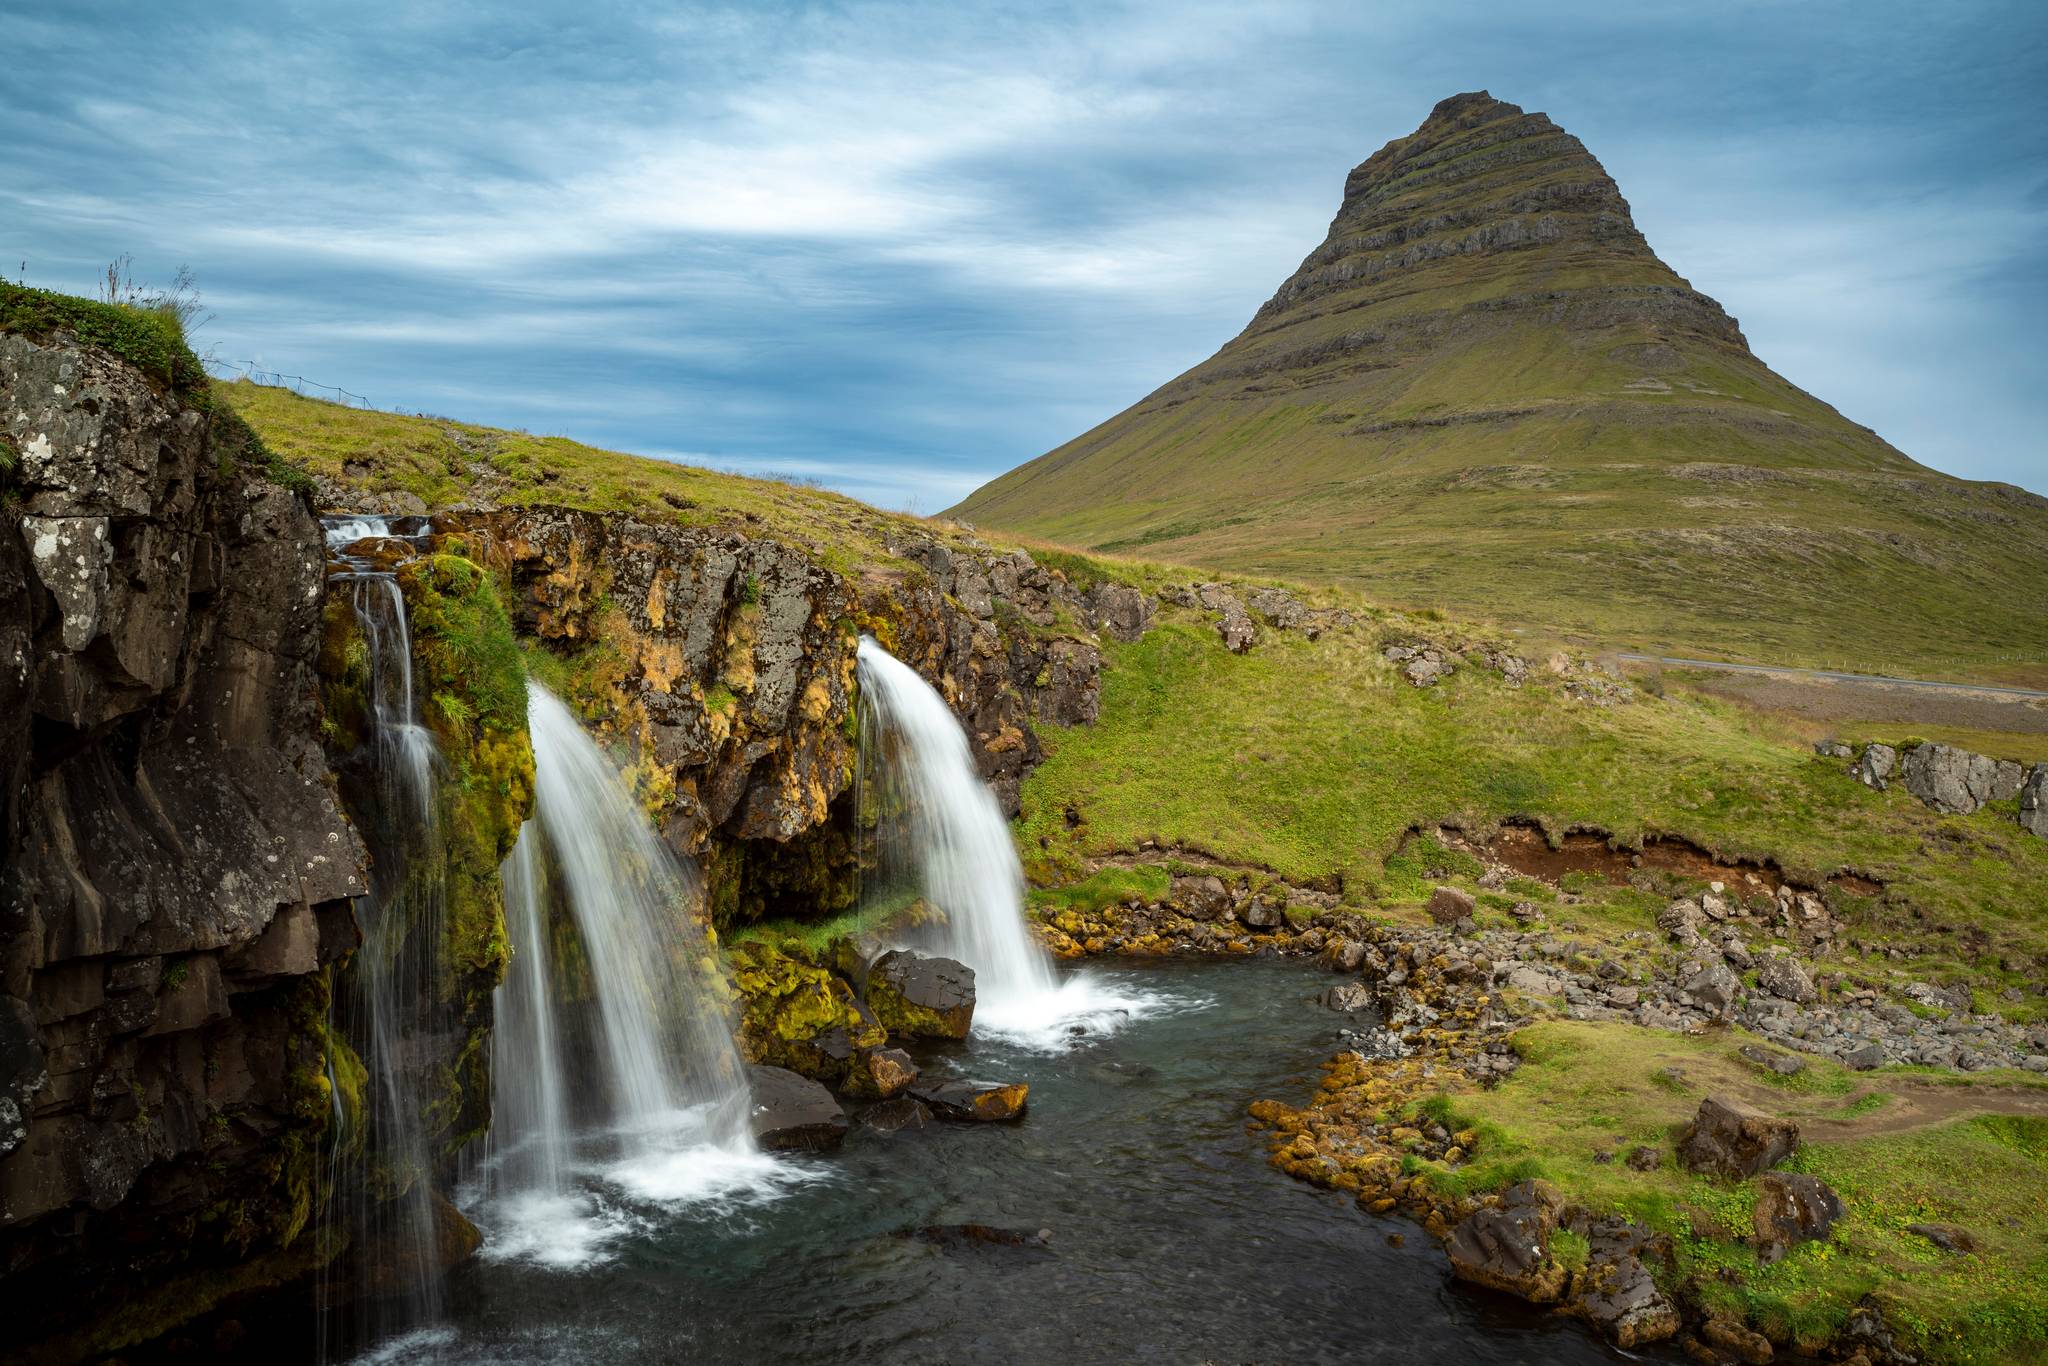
(362,456)
(1485,392)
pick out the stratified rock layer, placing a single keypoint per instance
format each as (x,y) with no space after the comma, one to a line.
(174,874)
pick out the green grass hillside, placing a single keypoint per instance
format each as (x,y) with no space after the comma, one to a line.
(1485,392)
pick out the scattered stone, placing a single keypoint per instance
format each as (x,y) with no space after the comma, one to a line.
(1644,1158)
(1712,988)
(1263,914)
(1341,954)
(1616,1292)
(1792,1207)
(971,1100)
(1348,996)
(921,998)
(1206,898)
(792,1113)
(1947,1237)
(1864,1057)
(1727,1139)
(1448,905)
(1784,1064)
(890,1069)
(1782,976)
(1832,749)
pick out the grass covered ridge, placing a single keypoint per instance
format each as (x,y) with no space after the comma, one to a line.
(1313,760)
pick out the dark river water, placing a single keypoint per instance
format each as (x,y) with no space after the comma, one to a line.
(1171,1239)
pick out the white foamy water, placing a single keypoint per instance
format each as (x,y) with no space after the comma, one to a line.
(580,1163)
(968,868)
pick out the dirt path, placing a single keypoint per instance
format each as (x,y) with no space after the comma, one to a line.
(1833,676)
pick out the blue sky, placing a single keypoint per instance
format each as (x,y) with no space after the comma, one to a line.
(902,247)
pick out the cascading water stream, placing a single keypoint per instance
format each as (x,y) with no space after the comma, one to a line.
(967,865)
(380,1003)
(663,1116)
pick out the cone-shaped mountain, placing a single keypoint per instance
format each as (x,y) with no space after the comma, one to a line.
(1484,390)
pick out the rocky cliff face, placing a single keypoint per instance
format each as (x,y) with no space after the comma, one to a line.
(727,661)
(176,875)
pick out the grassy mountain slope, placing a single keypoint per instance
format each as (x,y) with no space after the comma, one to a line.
(1485,391)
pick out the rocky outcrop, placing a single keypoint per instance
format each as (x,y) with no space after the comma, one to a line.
(1728,1139)
(1957,782)
(1792,1207)
(2034,802)
(175,877)
(728,662)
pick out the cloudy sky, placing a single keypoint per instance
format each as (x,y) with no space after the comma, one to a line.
(902,247)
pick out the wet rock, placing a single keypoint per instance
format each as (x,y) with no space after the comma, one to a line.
(890,1069)
(1343,955)
(1738,1342)
(986,1102)
(1955,781)
(1507,1246)
(1728,1139)
(1348,996)
(792,1113)
(2034,801)
(921,997)
(1782,976)
(1947,1237)
(1875,766)
(896,1116)
(1448,905)
(1792,1207)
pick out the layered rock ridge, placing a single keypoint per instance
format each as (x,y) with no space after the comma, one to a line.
(1483,390)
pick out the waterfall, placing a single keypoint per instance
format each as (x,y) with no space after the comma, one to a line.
(529,1105)
(967,865)
(658,1110)
(382,999)
(667,1045)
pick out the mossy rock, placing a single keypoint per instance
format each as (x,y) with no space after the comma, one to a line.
(799,1014)
(922,998)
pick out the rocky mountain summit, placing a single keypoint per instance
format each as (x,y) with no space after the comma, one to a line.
(1484,390)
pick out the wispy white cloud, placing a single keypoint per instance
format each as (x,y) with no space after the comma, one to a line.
(798,236)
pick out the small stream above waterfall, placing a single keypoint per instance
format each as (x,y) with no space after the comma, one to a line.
(943,835)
